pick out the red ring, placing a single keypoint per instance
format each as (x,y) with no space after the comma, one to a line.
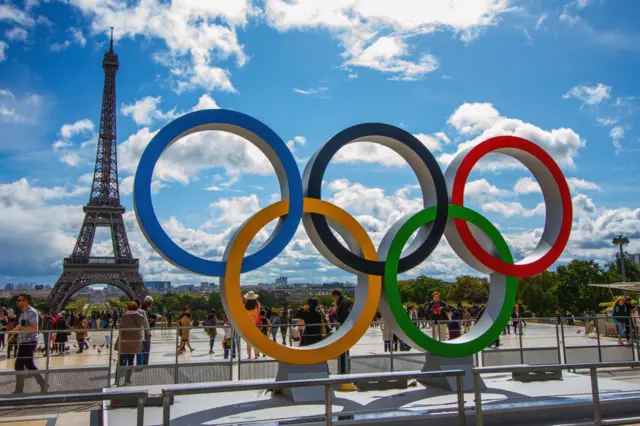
(457,197)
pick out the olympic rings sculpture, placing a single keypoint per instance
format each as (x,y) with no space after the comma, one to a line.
(472,237)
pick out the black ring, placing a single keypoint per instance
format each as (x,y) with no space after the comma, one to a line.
(312,181)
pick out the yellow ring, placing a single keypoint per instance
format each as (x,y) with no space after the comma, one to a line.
(326,349)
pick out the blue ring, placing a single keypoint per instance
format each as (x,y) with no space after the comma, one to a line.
(148,220)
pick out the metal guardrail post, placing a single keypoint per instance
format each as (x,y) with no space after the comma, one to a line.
(564,342)
(47,345)
(118,361)
(519,329)
(166,410)
(390,347)
(560,360)
(328,405)
(597,419)
(238,347)
(462,421)
(175,369)
(230,355)
(598,337)
(140,411)
(478,398)
(110,355)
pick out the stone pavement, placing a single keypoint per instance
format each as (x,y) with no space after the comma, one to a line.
(164,344)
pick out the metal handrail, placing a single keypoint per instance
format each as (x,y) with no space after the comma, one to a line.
(328,383)
(548,367)
(592,367)
(140,396)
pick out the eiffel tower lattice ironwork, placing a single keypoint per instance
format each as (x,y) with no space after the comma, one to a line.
(103,210)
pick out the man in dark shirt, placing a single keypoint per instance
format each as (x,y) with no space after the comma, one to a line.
(437,312)
(343,307)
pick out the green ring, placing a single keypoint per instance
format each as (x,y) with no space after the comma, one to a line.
(449,349)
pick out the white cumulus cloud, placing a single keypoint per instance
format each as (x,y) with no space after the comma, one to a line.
(590,95)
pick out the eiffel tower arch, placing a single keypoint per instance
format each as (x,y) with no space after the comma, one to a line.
(103,210)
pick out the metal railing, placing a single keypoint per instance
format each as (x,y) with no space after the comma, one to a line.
(168,366)
(111,395)
(169,393)
(592,367)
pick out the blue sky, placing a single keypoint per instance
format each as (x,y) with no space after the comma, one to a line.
(562,74)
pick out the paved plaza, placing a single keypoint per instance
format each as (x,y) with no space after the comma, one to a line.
(164,344)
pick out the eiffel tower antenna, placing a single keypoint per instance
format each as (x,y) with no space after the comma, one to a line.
(103,210)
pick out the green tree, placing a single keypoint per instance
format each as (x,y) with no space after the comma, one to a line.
(537,293)
(419,290)
(215,302)
(631,270)
(573,290)
(469,289)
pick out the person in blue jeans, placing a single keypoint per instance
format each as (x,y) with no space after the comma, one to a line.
(622,315)
(143,357)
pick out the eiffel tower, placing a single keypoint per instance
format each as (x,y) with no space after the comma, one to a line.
(103,210)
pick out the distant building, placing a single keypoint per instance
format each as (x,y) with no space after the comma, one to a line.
(189,288)
(282,281)
(635,258)
(159,286)
(207,286)
(9,286)
(25,286)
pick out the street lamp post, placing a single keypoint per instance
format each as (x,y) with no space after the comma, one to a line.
(620,241)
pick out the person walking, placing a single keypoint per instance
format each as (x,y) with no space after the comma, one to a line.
(129,343)
(275,326)
(184,330)
(314,330)
(414,316)
(143,357)
(252,306)
(81,327)
(466,319)
(62,335)
(12,339)
(386,334)
(27,342)
(521,315)
(343,308)
(622,315)
(210,327)
(47,326)
(285,323)
(514,320)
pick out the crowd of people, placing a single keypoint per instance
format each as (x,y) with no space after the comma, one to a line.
(317,322)
(448,322)
(308,325)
